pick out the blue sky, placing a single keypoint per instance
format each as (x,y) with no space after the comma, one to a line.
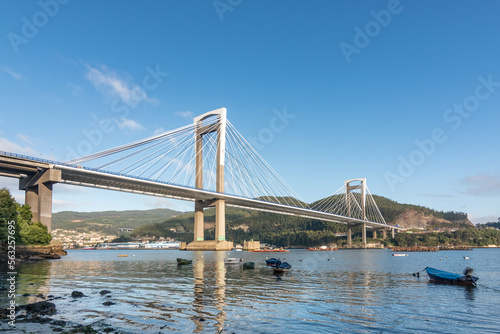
(364,83)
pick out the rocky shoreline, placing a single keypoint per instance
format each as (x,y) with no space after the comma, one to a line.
(30,253)
(36,317)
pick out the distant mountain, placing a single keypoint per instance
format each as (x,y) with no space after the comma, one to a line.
(282,230)
(109,221)
(484,220)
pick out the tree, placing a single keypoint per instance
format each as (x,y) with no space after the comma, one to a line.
(27,232)
(8,212)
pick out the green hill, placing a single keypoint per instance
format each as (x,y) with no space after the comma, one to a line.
(282,230)
(109,221)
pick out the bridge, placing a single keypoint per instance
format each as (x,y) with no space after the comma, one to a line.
(207,162)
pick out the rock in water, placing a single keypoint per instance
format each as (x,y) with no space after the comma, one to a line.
(108,303)
(77,294)
(41,308)
(104,292)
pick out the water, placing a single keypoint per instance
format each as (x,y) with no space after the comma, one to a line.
(345,291)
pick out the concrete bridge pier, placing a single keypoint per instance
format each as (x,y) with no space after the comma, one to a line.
(220,242)
(349,235)
(38,194)
(363,234)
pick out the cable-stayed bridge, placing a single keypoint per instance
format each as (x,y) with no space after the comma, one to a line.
(208,162)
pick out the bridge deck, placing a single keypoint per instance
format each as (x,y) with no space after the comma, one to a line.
(16,166)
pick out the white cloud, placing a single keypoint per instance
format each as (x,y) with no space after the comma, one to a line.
(12,147)
(110,84)
(158,131)
(26,139)
(15,75)
(184,114)
(482,185)
(128,124)
(76,90)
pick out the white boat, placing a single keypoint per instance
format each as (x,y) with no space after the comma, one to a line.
(232,260)
(399,254)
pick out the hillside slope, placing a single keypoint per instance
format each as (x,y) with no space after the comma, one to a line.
(109,221)
(281,230)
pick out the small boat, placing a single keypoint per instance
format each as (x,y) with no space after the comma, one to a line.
(281,267)
(272,261)
(88,248)
(248,265)
(399,254)
(124,255)
(466,258)
(183,261)
(322,248)
(232,260)
(440,276)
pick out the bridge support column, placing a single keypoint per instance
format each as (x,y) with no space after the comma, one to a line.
(199,223)
(392,232)
(220,220)
(363,231)
(384,234)
(38,195)
(349,235)
(374,234)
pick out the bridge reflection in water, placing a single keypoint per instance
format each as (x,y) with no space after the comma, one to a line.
(205,288)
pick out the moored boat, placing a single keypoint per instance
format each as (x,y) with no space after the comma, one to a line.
(399,254)
(282,267)
(248,265)
(272,261)
(441,276)
(183,261)
(232,260)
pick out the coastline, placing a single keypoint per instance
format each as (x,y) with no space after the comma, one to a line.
(30,253)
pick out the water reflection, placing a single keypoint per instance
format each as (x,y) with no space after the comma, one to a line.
(354,292)
(209,289)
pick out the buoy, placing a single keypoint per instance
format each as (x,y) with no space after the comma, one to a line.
(333,258)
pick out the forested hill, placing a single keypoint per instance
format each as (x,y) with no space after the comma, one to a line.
(282,230)
(109,221)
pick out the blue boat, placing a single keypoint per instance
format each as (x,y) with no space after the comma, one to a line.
(281,267)
(272,261)
(440,276)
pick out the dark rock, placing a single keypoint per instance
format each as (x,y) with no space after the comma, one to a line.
(104,292)
(26,295)
(77,294)
(108,303)
(57,329)
(108,296)
(61,323)
(41,308)
(107,329)
(43,320)
(40,295)
(202,319)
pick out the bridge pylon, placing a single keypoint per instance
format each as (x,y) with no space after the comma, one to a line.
(348,189)
(201,129)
